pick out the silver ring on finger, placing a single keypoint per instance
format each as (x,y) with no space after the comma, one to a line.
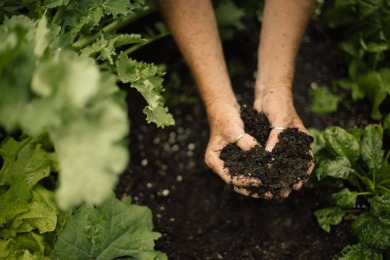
(239,137)
(278,128)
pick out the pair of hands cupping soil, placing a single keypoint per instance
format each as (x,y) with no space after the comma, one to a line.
(286,167)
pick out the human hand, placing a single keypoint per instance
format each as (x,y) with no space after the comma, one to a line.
(225,127)
(277,105)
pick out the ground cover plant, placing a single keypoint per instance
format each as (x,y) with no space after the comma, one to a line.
(363,34)
(64,126)
(278,170)
(357,158)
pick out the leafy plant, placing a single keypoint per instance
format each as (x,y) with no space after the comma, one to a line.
(29,216)
(357,158)
(61,63)
(365,46)
(126,229)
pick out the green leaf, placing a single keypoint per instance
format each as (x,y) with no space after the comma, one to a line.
(371,147)
(90,154)
(380,208)
(25,246)
(372,232)
(39,217)
(25,163)
(359,251)
(329,216)
(229,19)
(85,16)
(319,141)
(356,92)
(344,199)
(25,160)
(147,79)
(341,143)
(105,48)
(117,7)
(372,85)
(17,34)
(115,229)
(324,101)
(340,168)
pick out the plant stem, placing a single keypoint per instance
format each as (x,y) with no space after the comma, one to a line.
(58,15)
(351,210)
(384,182)
(383,189)
(115,25)
(364,193)
(355,181)
(140,45)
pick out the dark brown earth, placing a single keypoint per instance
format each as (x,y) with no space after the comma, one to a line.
(279,170)
(198,216)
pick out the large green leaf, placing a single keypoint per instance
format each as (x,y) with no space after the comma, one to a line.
(372,232)
(380,208)
(371,147)
(27,211)
(359,251)
(115,229)
(340,168)
(341,143)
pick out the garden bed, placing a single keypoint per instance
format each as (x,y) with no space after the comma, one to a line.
(198,215)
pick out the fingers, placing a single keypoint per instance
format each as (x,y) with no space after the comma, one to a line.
(268,195)
(217,165)
(272,139)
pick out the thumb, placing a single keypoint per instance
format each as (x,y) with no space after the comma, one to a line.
(247,142)
(272,139)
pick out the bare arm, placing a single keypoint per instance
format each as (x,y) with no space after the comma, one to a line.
(284,23)
(194,27)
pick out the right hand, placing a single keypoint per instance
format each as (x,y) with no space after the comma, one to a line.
(225,126)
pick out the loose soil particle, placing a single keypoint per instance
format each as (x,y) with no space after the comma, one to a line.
(278,170)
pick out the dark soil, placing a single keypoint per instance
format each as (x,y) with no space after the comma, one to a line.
(198,217)
(279,170)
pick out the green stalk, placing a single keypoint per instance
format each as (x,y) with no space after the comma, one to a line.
(356,182)
(364,193)
(142,44)
(58,15)
(115,25)
(352,210)
(383,189)
(384,182)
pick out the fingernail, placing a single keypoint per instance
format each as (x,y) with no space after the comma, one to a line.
(255,183)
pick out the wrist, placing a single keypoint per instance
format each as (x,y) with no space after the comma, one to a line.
(262,90)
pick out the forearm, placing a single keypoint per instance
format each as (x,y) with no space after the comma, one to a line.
(283,26)
(193,25)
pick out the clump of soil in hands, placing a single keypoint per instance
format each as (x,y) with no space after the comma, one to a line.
(278,170)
